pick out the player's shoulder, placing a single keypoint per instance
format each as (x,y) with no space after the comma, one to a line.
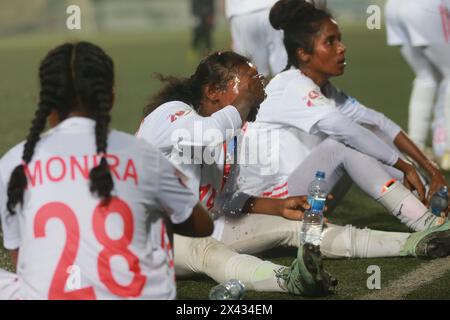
(167,114)
(176,108)
(293,80)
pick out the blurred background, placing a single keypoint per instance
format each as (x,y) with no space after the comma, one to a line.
(148,36)
(34,16)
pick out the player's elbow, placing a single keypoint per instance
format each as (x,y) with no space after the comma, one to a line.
(199,224)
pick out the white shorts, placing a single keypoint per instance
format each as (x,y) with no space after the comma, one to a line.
(254,38)
(418,22)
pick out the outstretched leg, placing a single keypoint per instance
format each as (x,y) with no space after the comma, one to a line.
(335,159)
(256,233)
(216,260)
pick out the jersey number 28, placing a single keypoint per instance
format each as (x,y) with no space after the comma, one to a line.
(111,247)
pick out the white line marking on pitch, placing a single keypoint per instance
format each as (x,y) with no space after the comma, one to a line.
(398,289)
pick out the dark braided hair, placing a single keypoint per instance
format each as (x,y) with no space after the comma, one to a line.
(72,77)
(300,21)
(215,69)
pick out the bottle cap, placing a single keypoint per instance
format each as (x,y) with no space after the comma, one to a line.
(320,174)
(443,191)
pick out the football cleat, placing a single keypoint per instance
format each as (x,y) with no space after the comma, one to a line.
(429,244)
(306,276)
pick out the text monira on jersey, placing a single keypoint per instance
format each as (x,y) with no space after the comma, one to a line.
(57,169)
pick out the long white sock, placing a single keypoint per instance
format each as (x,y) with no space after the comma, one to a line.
(351,242)
(407,208)
(255,273)
(221,263)
(420,110)
(423,93)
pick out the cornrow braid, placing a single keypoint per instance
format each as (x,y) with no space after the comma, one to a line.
(94,79)
(72,75)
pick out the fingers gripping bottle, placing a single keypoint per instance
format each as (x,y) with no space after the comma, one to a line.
(439,203)
(229,290)
(312,223)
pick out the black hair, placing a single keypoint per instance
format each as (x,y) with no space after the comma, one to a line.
(300,21)
(215,69)
(79,75)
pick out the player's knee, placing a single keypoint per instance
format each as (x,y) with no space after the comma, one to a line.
(334,148)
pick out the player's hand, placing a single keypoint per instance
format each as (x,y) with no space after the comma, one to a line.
(293,208)
(413,182)
(437,181)
(249,94)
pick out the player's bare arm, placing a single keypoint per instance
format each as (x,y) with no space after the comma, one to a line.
(198,224)
(406,145)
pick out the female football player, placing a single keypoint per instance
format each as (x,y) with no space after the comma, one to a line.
(422,29)
(85,209)
(303,108)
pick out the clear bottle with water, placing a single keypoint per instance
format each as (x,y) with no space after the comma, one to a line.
(312,223)
(232,289)
(439,201)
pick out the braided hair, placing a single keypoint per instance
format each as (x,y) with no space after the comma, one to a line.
(300,21)
(215,69)
(79,75)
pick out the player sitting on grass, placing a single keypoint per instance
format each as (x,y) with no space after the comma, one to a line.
(223,93)
(79,228)
(302,109)
(212,98)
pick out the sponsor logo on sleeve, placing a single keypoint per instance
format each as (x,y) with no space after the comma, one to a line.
(178,114)
(313,98)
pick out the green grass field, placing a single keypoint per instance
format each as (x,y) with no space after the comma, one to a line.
(376,75)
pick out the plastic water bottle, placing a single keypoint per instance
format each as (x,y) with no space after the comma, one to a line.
(439,201)
(312,223)
(229,290)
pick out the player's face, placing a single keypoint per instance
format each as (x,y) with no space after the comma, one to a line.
(246,81)
(328,57)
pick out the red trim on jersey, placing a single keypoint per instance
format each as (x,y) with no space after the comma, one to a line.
(269,193)
(445,22)
(226,167)
(281,195)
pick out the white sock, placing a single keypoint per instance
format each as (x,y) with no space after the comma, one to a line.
(420,109)
(255,273)
(407,208)
(351,242)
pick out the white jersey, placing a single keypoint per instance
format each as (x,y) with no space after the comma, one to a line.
(177,129)
(288,126)
(73,248)
(418,22)
(240,7)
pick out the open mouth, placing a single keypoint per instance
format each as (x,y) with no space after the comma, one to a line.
(342,62)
